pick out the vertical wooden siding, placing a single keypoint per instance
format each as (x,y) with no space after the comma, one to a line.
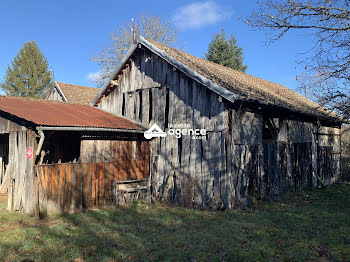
(21,175)
(232,163)
(69,187)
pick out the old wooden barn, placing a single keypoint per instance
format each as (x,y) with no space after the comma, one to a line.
(62,157)
(216,138)
(261,138)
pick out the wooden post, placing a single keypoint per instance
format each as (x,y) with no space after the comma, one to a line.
(37,209)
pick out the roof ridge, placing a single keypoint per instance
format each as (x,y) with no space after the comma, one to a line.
(249,86)
(42,100)
(228,68)
(76,85)
(214,64)
(158,43)
(34,99)
(227,82)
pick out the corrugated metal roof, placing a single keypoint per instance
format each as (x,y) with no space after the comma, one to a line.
(51,113)
(78,94)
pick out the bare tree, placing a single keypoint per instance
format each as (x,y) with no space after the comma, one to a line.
(328,61)
(149,26)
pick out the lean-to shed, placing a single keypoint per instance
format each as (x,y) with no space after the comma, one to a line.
(63,157)
(261,138)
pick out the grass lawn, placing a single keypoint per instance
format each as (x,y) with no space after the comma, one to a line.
(312,226)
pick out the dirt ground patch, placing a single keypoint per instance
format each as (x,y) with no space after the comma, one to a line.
(3,198)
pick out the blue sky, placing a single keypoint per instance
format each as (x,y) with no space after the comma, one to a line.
(70,33)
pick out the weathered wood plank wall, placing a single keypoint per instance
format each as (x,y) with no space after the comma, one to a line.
(55,96)
(97,150)
(7,126)
(73,186)
(16,172)
(21,176)
(21,187)
(235,161)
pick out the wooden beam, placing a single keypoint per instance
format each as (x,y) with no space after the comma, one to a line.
(114,83)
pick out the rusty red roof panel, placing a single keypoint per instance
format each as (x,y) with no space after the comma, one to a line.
(52,113)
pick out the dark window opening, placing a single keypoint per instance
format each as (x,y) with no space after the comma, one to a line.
(179,142)
(60,147)
(140,112)
(269,130)
(202,150)
(150,105)
(123,105)
(230,121)
(133,97)
(4,156)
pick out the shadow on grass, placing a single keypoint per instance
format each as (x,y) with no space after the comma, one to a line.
(310,226)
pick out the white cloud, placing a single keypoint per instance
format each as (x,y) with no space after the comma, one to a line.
(94,76)
(199,14)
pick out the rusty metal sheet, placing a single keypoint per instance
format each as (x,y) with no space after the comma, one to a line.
(53,113)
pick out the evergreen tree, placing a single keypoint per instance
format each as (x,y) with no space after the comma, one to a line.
(226,52)
(29,75)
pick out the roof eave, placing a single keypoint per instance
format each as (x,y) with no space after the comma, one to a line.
(89,129)
(334,119)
